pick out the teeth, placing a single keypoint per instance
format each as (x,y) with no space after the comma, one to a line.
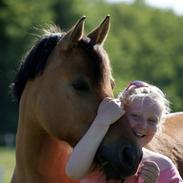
(138,134)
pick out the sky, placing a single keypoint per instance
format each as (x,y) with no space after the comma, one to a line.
(175,5)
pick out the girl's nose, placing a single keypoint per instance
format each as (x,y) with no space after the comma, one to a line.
(142,124)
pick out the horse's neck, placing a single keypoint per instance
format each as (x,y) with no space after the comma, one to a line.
(28,143)
(159,141)
(40,157)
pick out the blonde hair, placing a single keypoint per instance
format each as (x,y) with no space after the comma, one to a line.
(141,90)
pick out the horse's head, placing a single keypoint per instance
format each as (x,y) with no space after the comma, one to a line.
(118,154)
(67,76)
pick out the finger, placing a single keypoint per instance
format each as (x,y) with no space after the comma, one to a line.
(150,173)
(150,170)
(115,100)
(150,163)
(107,99)
(151,166)
(147,178)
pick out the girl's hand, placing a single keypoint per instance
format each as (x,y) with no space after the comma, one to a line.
(148,172)
(109,111)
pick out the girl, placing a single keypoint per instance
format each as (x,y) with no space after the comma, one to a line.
(145,107)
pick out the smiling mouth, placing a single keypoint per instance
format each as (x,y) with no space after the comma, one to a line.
(138,134)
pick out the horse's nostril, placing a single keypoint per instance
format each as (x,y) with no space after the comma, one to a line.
(119,160)
(126,156)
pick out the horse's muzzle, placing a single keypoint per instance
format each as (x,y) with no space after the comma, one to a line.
(118,160)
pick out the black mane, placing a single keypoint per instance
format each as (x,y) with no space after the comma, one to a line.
(35,61)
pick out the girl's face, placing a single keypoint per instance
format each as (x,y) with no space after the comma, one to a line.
(144,116)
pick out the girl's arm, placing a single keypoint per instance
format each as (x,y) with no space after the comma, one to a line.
(81,158)
(157,168)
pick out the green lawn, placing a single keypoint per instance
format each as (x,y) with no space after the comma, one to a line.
(7,163)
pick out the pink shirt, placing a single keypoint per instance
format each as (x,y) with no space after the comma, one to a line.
(166,176)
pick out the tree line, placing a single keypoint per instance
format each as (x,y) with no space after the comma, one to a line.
(144,43)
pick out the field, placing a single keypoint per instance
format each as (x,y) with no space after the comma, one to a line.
(7,162)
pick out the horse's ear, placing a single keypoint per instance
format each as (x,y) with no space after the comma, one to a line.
(99,34)
(73,35)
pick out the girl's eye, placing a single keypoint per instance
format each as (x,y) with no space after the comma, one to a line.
(153,121)
(135,116)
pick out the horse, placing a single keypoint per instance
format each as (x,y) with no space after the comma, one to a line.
(168,140)
(59,85)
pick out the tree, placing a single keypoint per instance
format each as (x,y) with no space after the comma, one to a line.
(17,19)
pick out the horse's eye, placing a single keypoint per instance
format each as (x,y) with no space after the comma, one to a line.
(80,85)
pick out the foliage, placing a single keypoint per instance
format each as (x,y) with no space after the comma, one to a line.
(151,47)
(7,163)
(17,19)
(144,43)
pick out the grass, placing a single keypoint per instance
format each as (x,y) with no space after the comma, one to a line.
(7,163)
